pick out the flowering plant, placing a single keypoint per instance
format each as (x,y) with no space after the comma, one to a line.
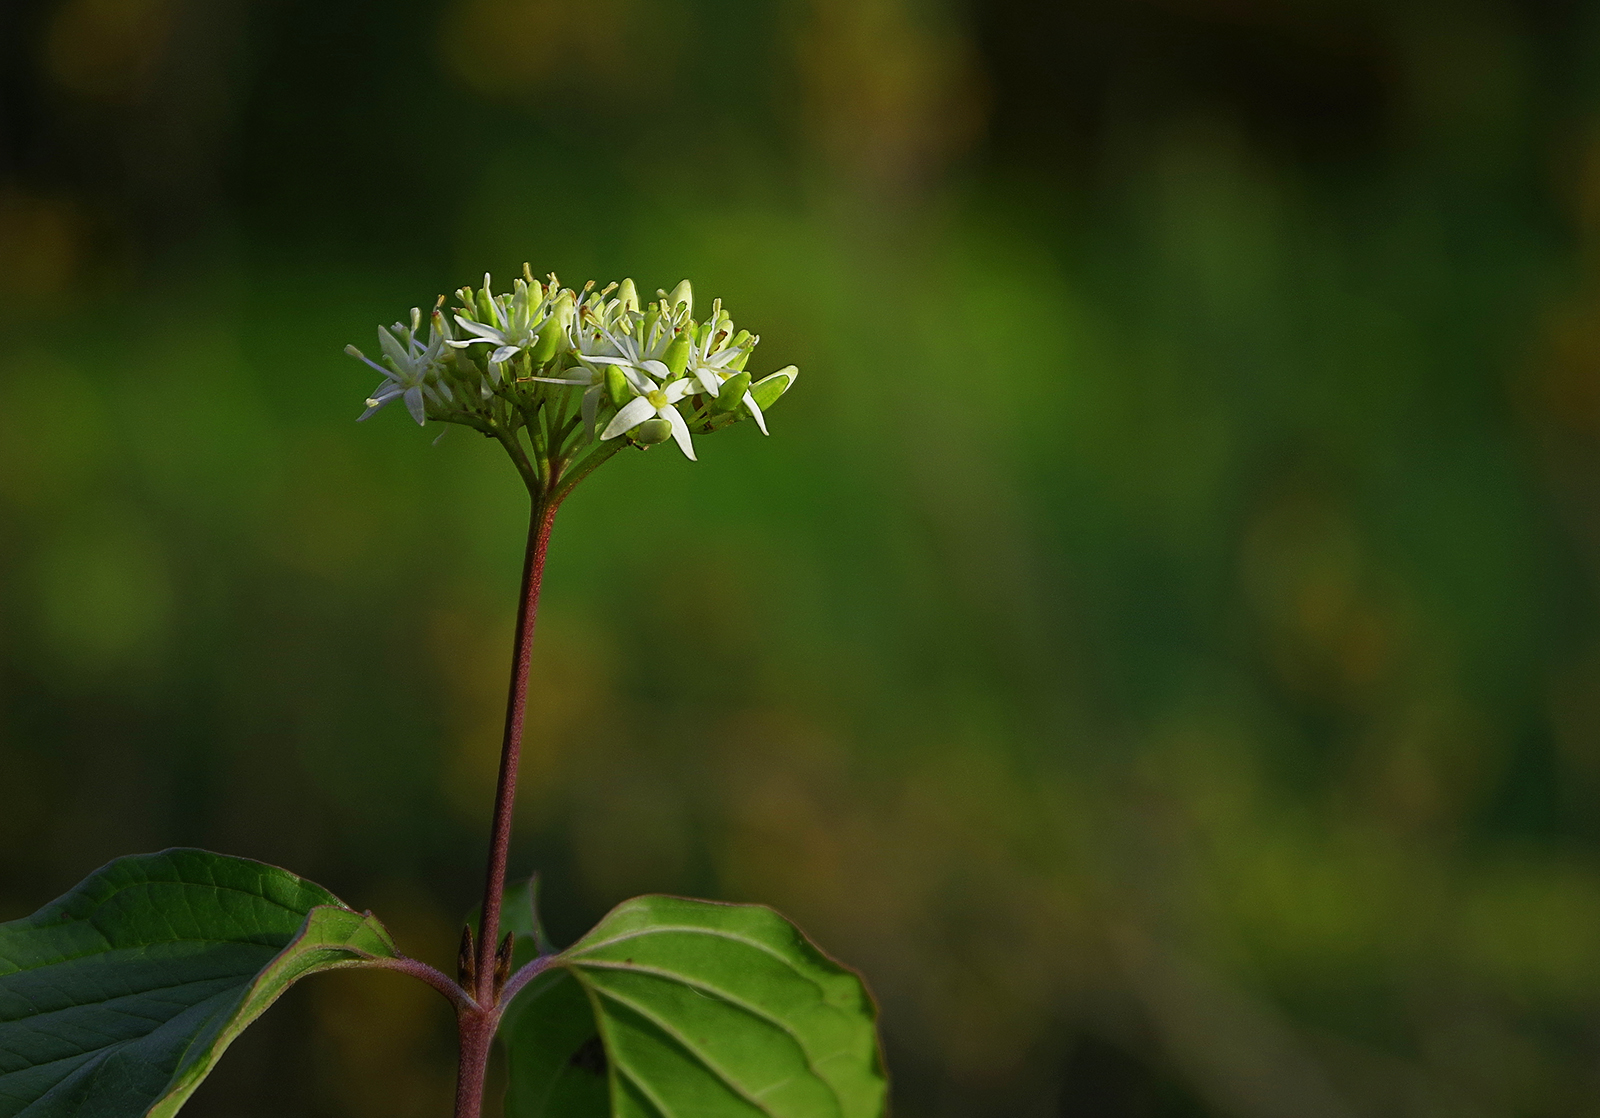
(506,365)
(118,998)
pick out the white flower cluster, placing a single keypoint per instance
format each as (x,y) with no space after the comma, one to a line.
(543,367)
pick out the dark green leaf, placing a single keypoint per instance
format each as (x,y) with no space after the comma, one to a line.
(117,999)
(558,1063)
(711,1010)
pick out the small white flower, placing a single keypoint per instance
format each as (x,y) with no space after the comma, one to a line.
(653,402)
(709,367)
(602,346)
(411,372)
(517,321)
(600,338)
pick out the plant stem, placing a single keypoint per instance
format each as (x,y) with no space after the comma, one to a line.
(477,1022)
(476,1031)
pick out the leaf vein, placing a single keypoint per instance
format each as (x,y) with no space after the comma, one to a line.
(732,999)
(690,929)
(688,1047)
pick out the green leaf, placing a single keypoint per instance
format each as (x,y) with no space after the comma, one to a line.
(703,1009)
(117,999)
(558,1062)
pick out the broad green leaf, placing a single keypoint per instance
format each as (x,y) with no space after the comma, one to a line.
(558,1062)
(702,1009)
(117,999)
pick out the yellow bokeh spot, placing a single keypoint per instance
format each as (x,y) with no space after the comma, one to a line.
(105,50)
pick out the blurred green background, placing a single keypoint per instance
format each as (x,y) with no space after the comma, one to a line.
(1157,645)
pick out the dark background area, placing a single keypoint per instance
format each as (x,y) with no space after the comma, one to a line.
(1157,644)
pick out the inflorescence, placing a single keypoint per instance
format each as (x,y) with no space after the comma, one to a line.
(564,378)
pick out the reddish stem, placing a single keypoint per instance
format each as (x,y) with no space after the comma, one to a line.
(477,1037)
(477,1022)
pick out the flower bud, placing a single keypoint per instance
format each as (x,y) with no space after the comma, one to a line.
(676,358)
(554,331)
(733,390)
(546,344)
(485,303)
(628,295)
(682,295)
(617,386)
(766,391)
(651,431)
(562,308)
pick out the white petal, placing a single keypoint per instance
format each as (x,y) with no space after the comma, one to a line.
(657,367)
(755,412)
(415,406)
(678,389)
(559,380)
(680,431)
(393,349)
(633,413)
(591,404)
(485,333)
(707,378)
(504,353)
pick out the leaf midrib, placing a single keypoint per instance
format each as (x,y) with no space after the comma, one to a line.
(690,929)
(34,1018)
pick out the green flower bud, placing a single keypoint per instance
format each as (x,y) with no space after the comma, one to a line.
(562,308)
(628,295)
(676,359)
(485,303)
(682,295)
(549,341)
(651,431)
(733,390)
(766,391)
(617,386)
(554,331)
